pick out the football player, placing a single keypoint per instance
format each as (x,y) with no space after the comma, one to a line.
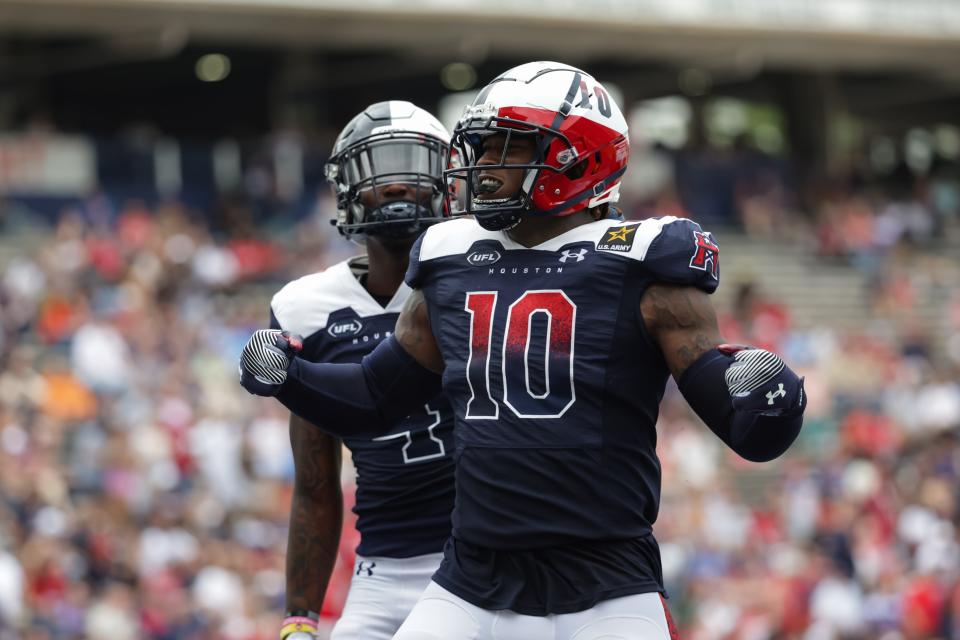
(386,172)
(553,330)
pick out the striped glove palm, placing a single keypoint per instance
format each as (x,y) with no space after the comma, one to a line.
(760,382)
(265,360)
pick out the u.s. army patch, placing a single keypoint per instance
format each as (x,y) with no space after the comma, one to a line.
(619,238)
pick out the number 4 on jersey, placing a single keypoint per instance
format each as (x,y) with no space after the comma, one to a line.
(422,445)
(537,321)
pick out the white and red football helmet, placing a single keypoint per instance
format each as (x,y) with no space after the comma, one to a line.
(581,142)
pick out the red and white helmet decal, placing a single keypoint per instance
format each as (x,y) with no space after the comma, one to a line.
(582,135)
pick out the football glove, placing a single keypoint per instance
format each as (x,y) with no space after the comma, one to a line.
(265,360)
(759,382)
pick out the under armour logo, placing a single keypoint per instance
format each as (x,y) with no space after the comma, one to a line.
(568,254)
(779,393)
(363,565)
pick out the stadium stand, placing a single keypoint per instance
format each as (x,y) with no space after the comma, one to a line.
(144,492)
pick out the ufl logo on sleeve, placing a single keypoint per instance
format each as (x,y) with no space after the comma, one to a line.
(706,255)
(619,238)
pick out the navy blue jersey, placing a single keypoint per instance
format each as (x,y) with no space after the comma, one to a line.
(556,388)
(404,478)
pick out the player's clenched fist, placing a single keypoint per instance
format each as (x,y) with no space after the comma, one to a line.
(265,360)
(760,382)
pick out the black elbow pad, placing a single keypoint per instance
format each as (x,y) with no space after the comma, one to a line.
(748,397)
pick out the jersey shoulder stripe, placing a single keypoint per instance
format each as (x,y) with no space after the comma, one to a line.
(304,305)
(453,237)
(634,239)
(629,239)
(670,249)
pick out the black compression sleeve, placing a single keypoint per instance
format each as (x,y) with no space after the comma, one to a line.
(754,436)
(359,400)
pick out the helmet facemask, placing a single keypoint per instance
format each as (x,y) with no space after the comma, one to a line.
(468,141)
(360,171)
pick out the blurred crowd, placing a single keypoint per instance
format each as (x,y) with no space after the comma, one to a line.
(144,494)
(853,535)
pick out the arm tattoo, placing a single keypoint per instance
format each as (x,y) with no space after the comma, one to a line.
(316,515)
(409,331)
(415,335)
(687,354)
(683,323)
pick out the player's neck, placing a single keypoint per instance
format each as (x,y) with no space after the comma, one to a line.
(532,231)
(388,264)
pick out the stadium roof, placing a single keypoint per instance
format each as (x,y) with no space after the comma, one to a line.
(798,34)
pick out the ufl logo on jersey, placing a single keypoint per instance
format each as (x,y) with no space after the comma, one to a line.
(483,258)
(345,329)
(619,238)
(706,256)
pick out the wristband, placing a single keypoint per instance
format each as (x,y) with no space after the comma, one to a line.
(303,613)
(302,621)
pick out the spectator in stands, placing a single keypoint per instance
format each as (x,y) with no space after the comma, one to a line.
(143,494)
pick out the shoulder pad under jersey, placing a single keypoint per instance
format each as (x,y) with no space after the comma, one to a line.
(303,305)
(449,238)
(674,250)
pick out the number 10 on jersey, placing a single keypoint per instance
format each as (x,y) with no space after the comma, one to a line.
(541,320)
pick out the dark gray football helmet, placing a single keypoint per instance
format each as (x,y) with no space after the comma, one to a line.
(392,142)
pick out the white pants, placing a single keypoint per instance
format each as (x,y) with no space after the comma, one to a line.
(382,593)
(440,615)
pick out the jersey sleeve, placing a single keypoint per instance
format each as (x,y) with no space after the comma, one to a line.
(274,323)
(416,271)
(683,253)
